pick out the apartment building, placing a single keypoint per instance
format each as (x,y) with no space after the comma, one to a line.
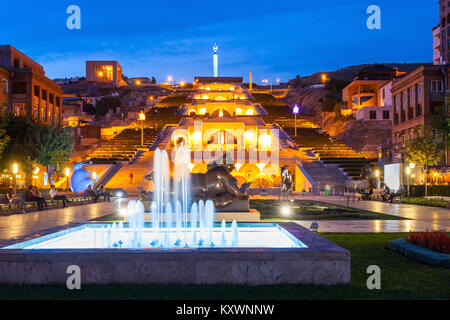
(416,98)
(29,92)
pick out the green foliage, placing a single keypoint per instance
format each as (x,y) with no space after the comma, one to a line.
(424,151)
(33,142)
(4,138)
(54,145)
(440,203)
(89,108)
(107,103)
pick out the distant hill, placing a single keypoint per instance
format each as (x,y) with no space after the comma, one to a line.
(348,73)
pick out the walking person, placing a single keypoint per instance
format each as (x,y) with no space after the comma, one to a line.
(131,177)
(14,200)
(55,196)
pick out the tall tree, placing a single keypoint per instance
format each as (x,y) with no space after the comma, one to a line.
(424,151)
(4,138)
(54,147)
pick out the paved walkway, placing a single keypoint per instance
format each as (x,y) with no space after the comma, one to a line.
(420,218)
(19,225)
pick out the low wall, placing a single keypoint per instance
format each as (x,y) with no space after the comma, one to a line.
(322,262)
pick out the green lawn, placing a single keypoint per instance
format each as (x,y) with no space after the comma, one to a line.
(401,278)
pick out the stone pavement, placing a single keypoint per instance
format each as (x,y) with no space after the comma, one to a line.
(18,225)
(420,218)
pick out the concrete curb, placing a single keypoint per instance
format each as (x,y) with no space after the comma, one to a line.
(420,254)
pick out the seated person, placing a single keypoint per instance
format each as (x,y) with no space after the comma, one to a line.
(399,193)
(90,193)
(14,200)
(55,196)
(32,195)
(101,192)
(385,195)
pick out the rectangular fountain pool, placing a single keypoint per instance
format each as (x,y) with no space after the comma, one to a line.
(103,236)
(267,253)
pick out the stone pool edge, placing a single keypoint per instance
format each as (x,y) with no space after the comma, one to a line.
(321,263)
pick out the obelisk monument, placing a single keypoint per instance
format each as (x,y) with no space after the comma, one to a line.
(216,61)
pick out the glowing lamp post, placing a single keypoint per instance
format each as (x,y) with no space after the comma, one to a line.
(67,177)
(15,170)
(408,173)
(377,174)
(142,119)
(295,111)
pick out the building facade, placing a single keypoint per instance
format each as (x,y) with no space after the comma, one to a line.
(417,98)
(437,58)
(104,72)
(30,92)
(444,8)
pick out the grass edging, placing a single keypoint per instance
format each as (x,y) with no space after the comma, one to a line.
(420,254)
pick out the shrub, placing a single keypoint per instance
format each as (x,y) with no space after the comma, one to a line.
(441,203)
(438,241)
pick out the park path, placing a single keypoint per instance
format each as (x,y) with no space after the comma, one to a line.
(419,218)
(16,226)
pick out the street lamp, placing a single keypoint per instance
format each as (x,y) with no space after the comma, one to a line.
(408,173)
(15,171)
(295,111)
(377,174)
(142,119)
(67,177)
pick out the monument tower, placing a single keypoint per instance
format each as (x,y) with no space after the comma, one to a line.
(216,61)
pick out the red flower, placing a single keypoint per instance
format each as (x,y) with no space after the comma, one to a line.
(438,240)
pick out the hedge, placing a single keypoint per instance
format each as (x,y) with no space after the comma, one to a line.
(433,190)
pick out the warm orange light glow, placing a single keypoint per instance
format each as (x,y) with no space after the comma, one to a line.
(249,136)
(142,116)
(324,78)
(182,83)
(197,137)
(138,82)
(100,74)
(265,141)
(203,111)
(249,112)
(220,113)
(238,111)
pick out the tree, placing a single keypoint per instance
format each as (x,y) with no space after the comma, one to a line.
(107,103)
(153,80)
(54,147)
(21,148)
(424,151)
(4,138)
(89,108)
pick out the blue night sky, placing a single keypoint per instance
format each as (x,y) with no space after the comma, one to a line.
(273,39)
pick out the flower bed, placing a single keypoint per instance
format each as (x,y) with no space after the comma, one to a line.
(438,241)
